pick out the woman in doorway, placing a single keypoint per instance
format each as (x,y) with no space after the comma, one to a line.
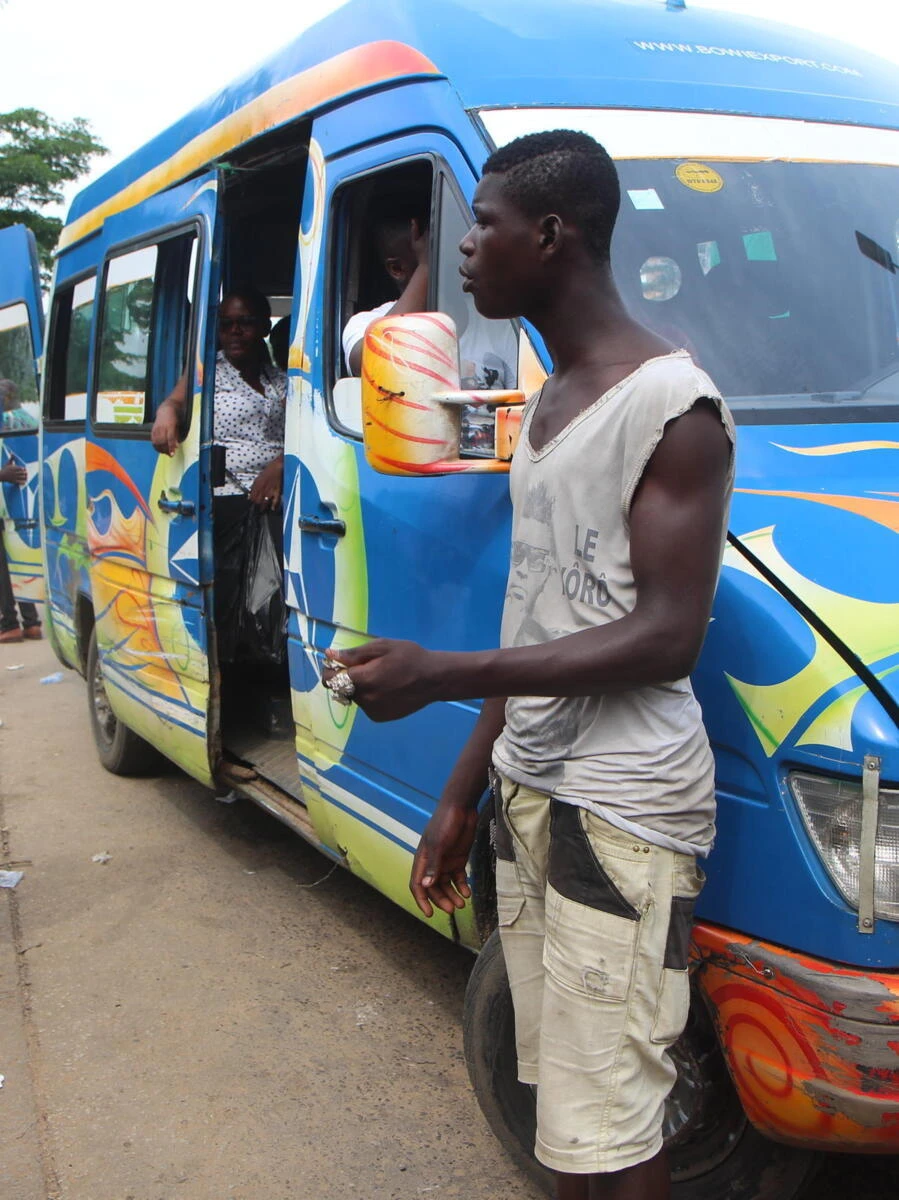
(248,421)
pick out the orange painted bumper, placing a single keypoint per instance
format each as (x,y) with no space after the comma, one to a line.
(812,1047)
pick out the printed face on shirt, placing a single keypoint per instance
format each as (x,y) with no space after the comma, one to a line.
(531,567)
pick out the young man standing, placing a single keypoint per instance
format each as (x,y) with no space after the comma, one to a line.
(620,489)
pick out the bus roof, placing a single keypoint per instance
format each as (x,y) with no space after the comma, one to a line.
(569,53)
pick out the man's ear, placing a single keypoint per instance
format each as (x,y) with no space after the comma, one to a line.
(552,232)
(395,268)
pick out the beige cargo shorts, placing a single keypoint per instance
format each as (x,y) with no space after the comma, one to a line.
(595,927)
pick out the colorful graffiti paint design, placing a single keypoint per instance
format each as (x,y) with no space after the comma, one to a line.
(103,544)
(19,513)
(812,1048)
(152,645)
(66,557)
(795,706)
(324,465)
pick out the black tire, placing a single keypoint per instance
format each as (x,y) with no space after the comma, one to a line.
(713,1150)
(120,750)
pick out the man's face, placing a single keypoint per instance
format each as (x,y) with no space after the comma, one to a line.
(501,253)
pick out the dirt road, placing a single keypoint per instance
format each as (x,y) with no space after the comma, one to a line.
(213,1014)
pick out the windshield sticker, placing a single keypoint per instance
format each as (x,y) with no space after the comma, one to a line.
(709,256)
(699,177)
(645,198)
(759,246)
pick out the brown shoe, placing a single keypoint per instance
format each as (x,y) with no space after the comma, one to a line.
(32,633)
(12,635)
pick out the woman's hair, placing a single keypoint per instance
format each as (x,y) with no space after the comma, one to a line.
(253,299)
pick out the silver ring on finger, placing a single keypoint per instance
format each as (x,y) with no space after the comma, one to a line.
(342,687)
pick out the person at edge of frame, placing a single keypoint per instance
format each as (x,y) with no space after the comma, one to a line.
(10,629)
(607,790)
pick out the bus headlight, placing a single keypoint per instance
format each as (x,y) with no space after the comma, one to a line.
(832,811)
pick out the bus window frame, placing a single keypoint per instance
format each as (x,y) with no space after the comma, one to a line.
(446,174)
(156,237)
(6,433)
(336,244)
(51,366)
(336,249)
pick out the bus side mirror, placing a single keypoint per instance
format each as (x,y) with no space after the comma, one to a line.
(416,420)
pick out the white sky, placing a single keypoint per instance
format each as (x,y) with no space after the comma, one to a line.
(132,70)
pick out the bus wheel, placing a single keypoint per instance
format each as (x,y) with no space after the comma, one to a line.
(120,751)
(712,1148)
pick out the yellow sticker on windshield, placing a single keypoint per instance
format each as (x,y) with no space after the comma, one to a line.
(699,177)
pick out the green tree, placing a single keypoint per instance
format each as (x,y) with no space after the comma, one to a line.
(37,156)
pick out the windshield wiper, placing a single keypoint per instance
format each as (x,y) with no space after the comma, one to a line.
(880,255)
(877,253)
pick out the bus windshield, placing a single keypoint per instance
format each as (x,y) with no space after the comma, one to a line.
(778,273)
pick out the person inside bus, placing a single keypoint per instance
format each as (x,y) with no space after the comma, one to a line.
(487,350)
(248,420)
(14,415)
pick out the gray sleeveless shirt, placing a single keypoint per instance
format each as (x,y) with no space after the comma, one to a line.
(639,758)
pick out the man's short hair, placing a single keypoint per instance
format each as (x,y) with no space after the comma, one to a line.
(391,225)
(564,172)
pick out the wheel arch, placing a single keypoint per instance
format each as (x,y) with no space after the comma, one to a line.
(482,870)
(84,627)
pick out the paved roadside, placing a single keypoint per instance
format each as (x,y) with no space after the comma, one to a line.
(211,1013)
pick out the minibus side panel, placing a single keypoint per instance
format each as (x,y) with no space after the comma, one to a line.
(21,346)
(372,788)
(67,363)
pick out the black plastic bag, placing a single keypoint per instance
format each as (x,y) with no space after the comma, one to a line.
(263,614)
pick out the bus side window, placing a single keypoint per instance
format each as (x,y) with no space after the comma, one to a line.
(173,307)
(144,330)
(67,355)
(18,377)
(372,214)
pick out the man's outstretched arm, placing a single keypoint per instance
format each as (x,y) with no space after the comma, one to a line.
(677,520)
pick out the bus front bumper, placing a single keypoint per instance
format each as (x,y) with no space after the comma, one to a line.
(812,1047)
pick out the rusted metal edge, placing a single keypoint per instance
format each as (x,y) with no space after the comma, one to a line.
(274,800)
